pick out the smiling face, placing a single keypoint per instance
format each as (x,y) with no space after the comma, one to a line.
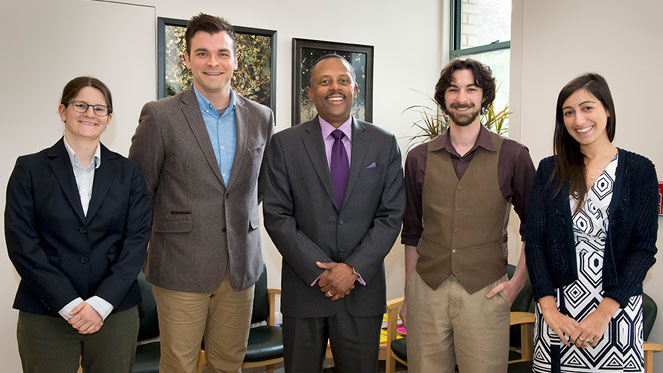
(332,90)
(87,125)
(212,62)
(463,98)
(585,118)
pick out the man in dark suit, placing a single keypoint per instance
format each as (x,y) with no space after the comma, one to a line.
(332,203)
(201,153)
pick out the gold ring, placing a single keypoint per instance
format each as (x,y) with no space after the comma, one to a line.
(589,340)
(581,339)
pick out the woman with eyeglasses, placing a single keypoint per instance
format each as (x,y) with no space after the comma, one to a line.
(77,223)
(591,238)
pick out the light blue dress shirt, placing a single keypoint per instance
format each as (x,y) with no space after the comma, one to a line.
(221,130)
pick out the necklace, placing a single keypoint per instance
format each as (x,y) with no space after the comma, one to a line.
(598,172)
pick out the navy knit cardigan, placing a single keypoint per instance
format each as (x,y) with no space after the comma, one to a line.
(631,237)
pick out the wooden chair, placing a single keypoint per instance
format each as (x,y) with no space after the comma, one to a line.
(649,311)
(265,345)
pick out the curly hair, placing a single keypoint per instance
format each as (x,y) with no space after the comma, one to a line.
(483,78)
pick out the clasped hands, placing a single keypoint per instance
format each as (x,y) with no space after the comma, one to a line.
(85,319)
(586,333)
(337,281)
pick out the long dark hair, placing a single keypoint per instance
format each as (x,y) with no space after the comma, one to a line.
(569,161)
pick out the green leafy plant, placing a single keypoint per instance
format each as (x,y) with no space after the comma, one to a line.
(433,122)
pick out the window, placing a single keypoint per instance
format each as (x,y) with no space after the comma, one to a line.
(481,29)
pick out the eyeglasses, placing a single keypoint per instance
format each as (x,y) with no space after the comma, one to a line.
(81,107)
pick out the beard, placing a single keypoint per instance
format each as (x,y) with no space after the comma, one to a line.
(463,119)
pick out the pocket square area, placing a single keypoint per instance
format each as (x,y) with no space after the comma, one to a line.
(372,165)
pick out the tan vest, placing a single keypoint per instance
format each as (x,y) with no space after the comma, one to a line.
(463,221)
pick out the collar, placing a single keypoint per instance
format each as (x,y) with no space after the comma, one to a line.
(444,142)
(327,128)
(205,104)
(73,157)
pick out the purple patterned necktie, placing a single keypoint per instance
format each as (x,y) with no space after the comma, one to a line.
(339,168)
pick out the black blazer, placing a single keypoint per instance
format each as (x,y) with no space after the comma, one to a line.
(60,253)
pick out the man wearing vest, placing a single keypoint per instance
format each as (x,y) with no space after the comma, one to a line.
(460,187)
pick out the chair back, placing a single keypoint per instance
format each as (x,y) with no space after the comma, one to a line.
(649,311)
(523,301)
(260,298)
(147,311)
(520,304)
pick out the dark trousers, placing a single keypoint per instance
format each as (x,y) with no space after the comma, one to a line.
(48,344)
(355,342)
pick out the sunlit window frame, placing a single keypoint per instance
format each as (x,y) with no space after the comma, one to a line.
(455,49)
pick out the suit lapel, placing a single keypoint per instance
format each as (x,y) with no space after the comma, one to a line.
(242,121)
(359,147)
(103,177)
(194,118)
(315,149)
(61,167)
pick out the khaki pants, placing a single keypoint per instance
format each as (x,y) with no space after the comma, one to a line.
(224,316)
(448,326)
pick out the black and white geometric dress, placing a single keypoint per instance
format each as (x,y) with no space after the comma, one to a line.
(620,348)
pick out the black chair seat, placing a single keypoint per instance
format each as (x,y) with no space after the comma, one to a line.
(147,358)
(521,367)
(265,343)
(399,347)
(514,355)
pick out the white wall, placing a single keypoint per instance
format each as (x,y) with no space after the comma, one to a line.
(553,42)
(116,42)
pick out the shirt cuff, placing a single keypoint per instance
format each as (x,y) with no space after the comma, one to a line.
(359,279)
(66,310)
(100,305)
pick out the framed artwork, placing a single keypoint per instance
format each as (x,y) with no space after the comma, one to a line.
(306,52)
(255,78)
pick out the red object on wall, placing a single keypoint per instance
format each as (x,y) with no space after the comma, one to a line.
(660,198)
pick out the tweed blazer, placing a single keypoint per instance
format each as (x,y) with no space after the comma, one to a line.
(200,225)
(306,224)
(62,253)
(631,238)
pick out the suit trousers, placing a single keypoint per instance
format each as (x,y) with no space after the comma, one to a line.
(224,316)
(48,344)
(354,342)
(448,325)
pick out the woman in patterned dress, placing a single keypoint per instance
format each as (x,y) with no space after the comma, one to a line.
(591,235)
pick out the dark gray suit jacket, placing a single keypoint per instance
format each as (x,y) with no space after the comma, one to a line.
(200,225)
(306,225)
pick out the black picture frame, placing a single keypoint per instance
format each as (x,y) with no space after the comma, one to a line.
(171,70)
(305,52)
